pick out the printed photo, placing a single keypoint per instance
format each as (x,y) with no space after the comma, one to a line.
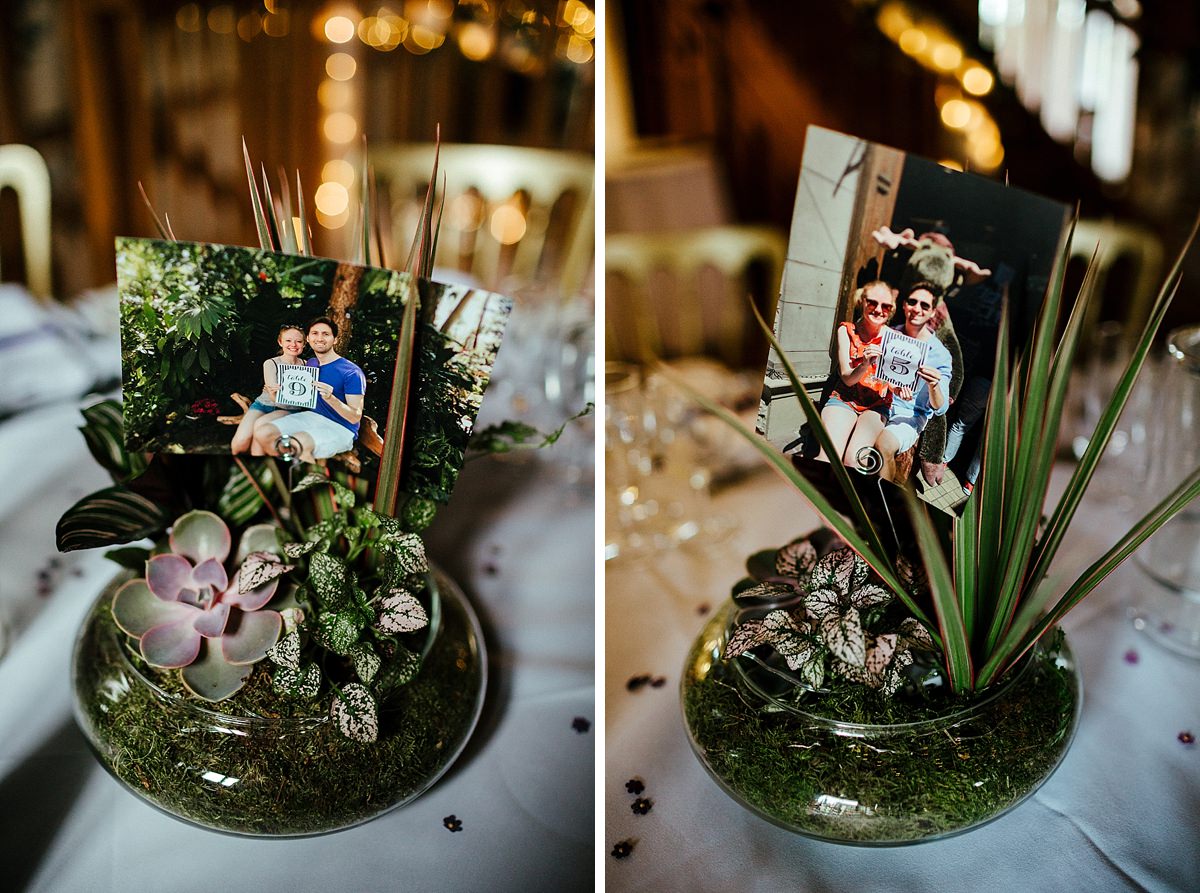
(890,305)
(237,350)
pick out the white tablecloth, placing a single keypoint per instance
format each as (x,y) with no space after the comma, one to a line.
(1121,813)
(518,539)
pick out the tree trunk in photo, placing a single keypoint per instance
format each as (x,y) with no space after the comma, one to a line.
(345,295)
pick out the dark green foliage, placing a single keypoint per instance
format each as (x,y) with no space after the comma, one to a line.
(954,776)
(299,778)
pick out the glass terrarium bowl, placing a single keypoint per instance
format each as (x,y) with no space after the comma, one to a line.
(940,774)
(292,776)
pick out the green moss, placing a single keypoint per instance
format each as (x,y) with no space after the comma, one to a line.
(878,788)
(284,776)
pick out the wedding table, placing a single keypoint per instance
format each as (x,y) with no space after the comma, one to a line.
(519,539)
(1121,813)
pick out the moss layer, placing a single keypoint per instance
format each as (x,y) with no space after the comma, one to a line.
(884,788)
(294,775)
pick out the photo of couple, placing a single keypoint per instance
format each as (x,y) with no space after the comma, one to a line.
(258,353)
(273,425)
(894,333)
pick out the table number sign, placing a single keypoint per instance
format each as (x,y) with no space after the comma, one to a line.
(297,387)
(901,357)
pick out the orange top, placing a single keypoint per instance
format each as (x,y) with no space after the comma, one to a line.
(870,392)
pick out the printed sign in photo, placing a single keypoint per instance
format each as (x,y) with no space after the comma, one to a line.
(900,358)
(896,262)
(204,329)
(297,387)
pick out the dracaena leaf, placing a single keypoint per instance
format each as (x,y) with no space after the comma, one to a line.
(260,568)
(356,714)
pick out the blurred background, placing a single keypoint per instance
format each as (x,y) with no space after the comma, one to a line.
(708,101)
(113,92)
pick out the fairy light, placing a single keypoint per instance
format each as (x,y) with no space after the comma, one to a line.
(334,95)
(341,66)
(338,172)
(476,41)
(221,20)
(913,41)
(977,80)
(188,18)
(249,26)
(332,199)
(277,24)
(507,225)
(956,114)
(947,56)
(339,29)
(340,127)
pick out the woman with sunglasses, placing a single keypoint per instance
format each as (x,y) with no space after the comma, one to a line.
(857,407)
(911,411)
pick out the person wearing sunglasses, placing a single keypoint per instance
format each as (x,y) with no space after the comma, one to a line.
(857,406)
(910,413)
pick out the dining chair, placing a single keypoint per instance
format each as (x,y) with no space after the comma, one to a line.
(514,217)
(23,170)
(1120,243)
(684,293)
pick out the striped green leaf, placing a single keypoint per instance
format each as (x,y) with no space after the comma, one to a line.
(955,644)
(109,517)
(103,431)
(1098,441)
(993,478)
(305,238)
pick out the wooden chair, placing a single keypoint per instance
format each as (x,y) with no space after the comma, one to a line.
(684,293)
(23,170)
(1120,242)
(514,217)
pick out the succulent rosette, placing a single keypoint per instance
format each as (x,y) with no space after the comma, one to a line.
(187,613)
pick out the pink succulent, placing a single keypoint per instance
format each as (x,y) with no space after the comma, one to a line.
(187,614)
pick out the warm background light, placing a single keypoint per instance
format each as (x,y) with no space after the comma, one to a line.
(476,41)
(221,20)
(977,80)
(338,171)
(341,66)
(507,225)
(947,56)
(334,95)
(332,199)
(188,18)
(339,29)
(956,114)
(340,127)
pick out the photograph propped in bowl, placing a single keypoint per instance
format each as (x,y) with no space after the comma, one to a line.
(238,350)
(890,305)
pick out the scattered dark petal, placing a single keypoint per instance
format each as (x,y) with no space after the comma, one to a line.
(622,849)
(1131,656)
(490,569)
(1187,738)
(44,589)
(1166,627)
(495,548)
(635,786)
(452,823)
(76,572)
(580,725)
(658,682)
(54,563)
(636,682)
(703,608)
(641,806)
(43,574)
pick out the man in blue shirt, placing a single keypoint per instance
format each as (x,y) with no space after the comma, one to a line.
(332,427)
(910,412)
